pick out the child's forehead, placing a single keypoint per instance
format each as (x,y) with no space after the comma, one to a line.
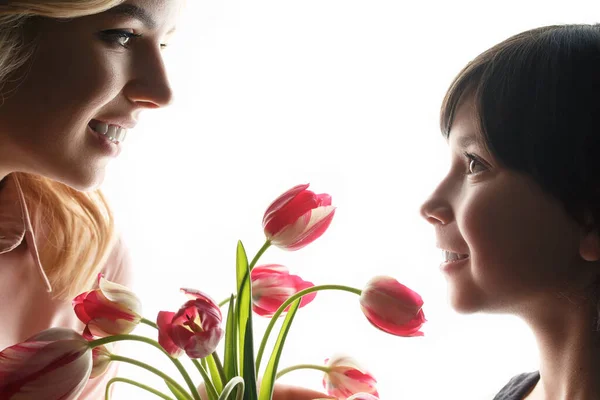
(464,132)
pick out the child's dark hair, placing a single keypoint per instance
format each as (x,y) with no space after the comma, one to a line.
(537,95)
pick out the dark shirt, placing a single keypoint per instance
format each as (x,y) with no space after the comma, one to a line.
(518,386)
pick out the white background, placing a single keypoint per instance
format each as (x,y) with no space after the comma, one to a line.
(342,94)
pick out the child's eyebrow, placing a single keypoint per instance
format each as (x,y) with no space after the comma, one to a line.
(467,140)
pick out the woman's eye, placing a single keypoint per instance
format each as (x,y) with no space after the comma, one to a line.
(119,37)
(475,166)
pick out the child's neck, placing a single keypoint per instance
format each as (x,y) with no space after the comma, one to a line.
(569,349)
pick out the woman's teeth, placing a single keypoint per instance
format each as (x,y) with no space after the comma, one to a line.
(115,133)
(449,256)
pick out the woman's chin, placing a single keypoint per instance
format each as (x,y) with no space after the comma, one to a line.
(86,181)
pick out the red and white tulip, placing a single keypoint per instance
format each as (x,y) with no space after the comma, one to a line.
(346,378)
(272,285)
(54,364)
(195,328)
(297,218)
(112,309)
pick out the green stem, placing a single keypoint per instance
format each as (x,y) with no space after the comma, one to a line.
(285,305)
(148,322)
(150,368)
(302,366)
(116,338)
(134,383)
(260,253)
(227,300)
(210,388)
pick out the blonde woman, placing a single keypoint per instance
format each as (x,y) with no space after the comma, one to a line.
(75,76)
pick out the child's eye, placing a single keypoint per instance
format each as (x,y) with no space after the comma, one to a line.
(475,165)
(119,37)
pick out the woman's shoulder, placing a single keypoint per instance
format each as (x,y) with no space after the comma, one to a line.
(518,386)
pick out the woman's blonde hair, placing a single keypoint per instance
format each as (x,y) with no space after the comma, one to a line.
(78,226)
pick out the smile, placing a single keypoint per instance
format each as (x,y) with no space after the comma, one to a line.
(450,257)
(114,133)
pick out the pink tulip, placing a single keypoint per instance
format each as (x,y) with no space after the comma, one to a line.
(346,378)
(112,309)
(195,328)
(272,285)
(297,218)
(392,307)
(54,364)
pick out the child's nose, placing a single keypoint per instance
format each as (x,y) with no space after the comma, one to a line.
(436,211)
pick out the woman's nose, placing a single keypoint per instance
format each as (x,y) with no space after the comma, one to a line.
(151,87)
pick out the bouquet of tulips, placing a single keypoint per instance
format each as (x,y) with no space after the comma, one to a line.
(57,363)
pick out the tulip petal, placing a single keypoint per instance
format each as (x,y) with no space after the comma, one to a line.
(272,285)
(164,320)
(79,307)
(121,295)
(282,201)
(346,378)
(392,307)
(202,344)
(59,383)
(53,334)
(56,367)
(306,229)
(323,200)
(194,294)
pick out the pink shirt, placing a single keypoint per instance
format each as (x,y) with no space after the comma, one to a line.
(26,305)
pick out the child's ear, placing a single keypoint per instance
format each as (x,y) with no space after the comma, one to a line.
(589,247)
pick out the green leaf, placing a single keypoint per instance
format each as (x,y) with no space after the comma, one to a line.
(249,371)
(176,392)
(231,361)
(234,388)
(242,302)
(214,373)
(266,386)
(244,314)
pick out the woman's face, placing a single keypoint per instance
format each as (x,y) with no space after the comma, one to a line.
(514,246)
(88,74)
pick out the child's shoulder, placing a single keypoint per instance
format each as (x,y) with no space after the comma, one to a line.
(518,386)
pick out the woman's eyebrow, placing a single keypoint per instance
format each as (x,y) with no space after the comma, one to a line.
(133,11)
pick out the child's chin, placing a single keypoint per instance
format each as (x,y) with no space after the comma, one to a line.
(463,302)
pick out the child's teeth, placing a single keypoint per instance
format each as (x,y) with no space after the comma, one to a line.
(449,256)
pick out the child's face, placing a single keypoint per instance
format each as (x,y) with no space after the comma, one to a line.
(521,247)
(86,70)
